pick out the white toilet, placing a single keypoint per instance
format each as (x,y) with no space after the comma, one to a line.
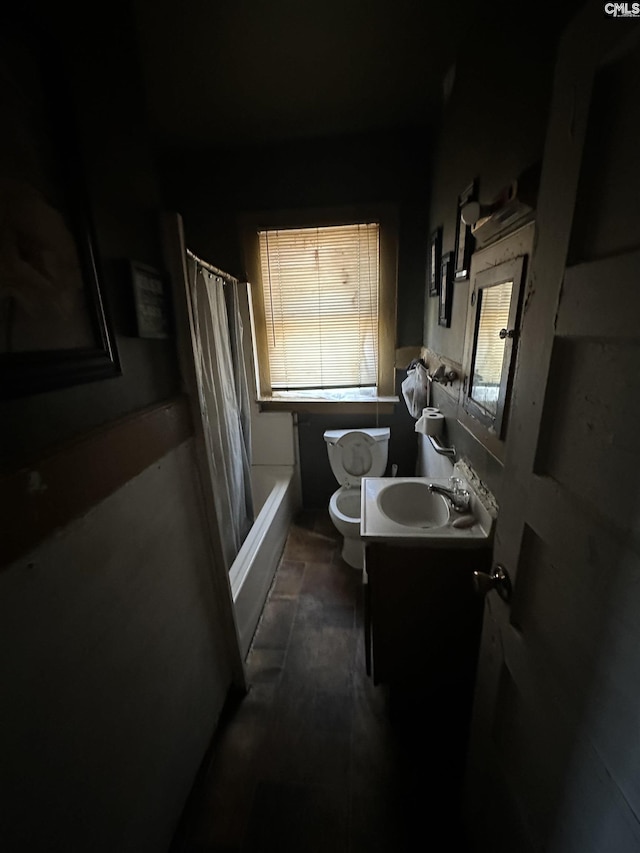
(354,454)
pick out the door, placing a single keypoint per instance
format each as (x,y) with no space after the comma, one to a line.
(554,762)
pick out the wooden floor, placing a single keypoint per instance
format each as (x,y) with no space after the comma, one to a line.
(314,757)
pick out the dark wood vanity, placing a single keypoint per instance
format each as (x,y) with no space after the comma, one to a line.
(422,614)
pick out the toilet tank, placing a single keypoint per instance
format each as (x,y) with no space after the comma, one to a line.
(379,452)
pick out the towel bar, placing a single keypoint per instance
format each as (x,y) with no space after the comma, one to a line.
(440,448)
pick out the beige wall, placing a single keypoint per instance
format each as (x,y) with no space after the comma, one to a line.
(112,665)
(113,670)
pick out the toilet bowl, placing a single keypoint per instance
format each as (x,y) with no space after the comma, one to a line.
(344,509)
(354,454)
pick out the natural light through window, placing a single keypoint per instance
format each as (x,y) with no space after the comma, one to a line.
(495,304)
(320,289)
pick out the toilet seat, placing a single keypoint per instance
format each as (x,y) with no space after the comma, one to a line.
(339,501)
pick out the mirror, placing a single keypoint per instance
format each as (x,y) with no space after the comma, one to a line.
(493,322)
(493,310)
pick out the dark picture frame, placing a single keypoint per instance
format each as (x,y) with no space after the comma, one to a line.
(445,296)
(54,330)
(464,238)
(434,258)
(150,299)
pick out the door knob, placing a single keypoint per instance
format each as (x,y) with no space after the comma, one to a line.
(498,579)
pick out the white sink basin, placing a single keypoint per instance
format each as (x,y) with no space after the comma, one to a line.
(409,502)
(403,510)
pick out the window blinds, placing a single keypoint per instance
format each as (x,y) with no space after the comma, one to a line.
(320,290)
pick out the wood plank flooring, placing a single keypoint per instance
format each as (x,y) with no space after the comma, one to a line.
(314,758)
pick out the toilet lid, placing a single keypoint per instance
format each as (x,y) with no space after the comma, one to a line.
(356,457)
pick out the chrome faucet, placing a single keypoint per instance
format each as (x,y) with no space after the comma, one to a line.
(460,499)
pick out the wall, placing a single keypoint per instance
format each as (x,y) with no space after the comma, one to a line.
(211,188)
(113,670)
(124,202)
(493,127)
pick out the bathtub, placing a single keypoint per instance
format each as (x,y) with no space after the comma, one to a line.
(276,499)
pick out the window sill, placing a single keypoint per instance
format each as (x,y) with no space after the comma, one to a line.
(362,406)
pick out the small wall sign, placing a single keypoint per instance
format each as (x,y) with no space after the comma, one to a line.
(152,313)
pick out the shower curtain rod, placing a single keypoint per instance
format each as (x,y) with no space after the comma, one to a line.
(230,278)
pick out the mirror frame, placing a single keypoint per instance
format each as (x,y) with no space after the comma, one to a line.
(511,270)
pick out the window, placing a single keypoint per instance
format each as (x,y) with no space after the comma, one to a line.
(323,298)
(493,321)
(320,295)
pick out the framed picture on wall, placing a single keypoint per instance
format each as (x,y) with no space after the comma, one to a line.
(433,262)
(53,325)
(446,290)
(464,238)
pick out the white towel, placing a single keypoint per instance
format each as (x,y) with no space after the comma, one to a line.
(414,389)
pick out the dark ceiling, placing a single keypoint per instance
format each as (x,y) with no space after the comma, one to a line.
(241,72)
(256,71)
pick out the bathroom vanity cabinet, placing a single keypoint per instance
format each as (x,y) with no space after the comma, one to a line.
(422,614)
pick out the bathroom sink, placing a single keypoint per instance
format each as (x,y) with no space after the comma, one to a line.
(410,503)
(403,510)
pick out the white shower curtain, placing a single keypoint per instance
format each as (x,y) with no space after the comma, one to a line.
(224,400)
